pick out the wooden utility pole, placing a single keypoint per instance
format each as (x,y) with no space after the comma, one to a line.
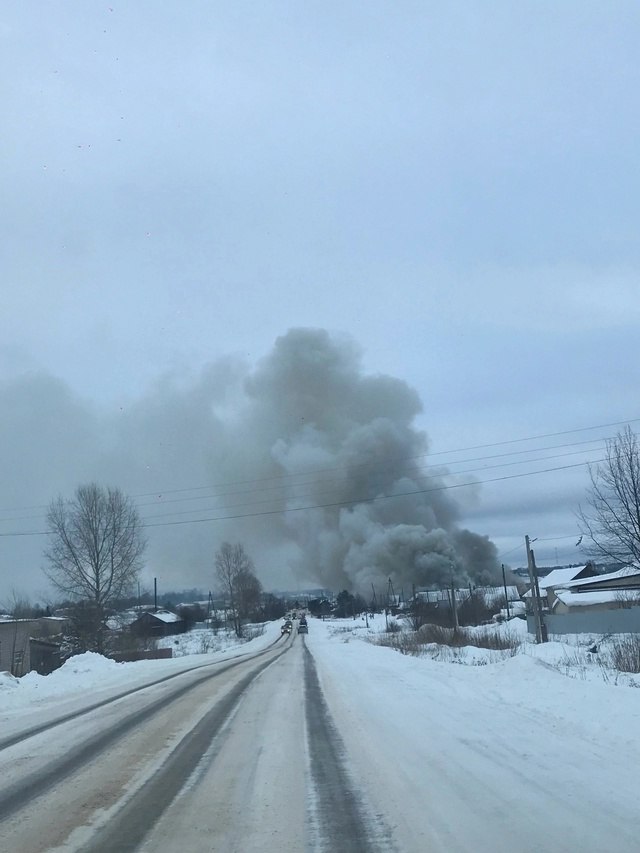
(391,594)
(541,628)
(454,606)
(506,594)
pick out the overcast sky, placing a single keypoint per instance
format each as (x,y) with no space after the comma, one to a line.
(449,189)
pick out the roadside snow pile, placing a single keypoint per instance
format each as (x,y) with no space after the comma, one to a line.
(8,681)
(80,672)
(90,662)
(613,660)
(91,672)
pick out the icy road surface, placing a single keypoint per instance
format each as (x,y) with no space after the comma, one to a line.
(327,743)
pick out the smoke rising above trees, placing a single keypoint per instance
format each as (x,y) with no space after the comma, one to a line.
(379,512)
(305,426)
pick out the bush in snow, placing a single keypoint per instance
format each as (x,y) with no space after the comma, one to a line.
(624,655)
(418,642)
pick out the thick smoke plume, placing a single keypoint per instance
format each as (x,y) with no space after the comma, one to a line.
(315,466)
(348,445)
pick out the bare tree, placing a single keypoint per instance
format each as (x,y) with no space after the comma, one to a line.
(20,607)
(611,517)
(249,593)
(234,570)
(95,553)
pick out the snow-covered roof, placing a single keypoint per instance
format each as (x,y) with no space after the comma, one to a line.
(600,596)
(558,577)
(12,619)
(627,571)
(166,616)
(492,592)
(123,618)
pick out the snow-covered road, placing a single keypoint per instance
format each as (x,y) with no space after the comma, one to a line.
(62,784)
(328,743)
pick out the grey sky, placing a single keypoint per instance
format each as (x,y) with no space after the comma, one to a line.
(454,185)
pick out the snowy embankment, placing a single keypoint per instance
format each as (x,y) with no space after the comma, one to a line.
(475,757)
(88,677)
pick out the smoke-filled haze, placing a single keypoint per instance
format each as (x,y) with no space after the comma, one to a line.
(314,464)
(193,192)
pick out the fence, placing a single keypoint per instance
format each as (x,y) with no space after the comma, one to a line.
(624,620)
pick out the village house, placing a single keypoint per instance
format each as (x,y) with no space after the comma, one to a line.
(559,578)
(604,592)
(160,623)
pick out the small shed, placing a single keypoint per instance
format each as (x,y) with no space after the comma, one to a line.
(161,623)
(14,645)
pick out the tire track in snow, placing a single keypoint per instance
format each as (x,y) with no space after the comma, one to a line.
(339,818)
(129,826)
(15,796)
(12,740)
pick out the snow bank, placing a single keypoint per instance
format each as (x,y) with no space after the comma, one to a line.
(506,754)
(90,672)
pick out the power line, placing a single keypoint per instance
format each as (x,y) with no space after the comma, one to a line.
(283,484)
(395,469)
(374,482)
(366,500)
(382,484)
(334,504)
(536,437)
(284,476)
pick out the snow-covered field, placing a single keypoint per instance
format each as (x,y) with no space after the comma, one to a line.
(587,657)
(533,751)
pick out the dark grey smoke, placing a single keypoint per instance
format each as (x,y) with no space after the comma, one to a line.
(305,427)
(356,431)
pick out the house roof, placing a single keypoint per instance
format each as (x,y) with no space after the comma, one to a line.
(600,596)
(559,577)
(627,571)
(166,616)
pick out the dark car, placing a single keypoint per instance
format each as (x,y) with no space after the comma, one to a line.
(303,628)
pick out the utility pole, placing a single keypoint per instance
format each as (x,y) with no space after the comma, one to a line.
(454,607)
(541,628)
(506,594)
(391,594)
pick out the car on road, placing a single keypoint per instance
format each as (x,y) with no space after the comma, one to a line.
(303,628)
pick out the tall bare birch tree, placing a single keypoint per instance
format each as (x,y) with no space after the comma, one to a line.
(95,553)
